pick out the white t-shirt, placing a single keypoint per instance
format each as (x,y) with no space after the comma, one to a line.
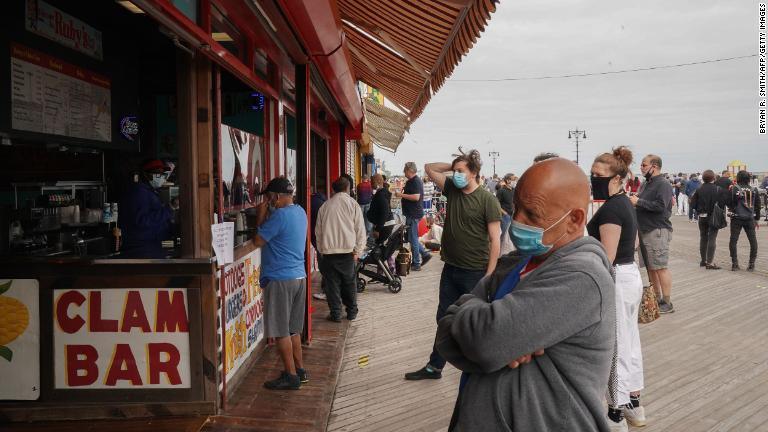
(429,190)
(433,235)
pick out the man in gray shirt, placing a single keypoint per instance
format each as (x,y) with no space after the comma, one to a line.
(653,204)
(554,297)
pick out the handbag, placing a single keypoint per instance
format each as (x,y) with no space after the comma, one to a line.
(649,306)
(717,218)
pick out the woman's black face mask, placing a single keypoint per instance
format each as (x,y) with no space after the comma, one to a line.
(600,187)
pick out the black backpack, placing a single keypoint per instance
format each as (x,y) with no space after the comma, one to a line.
(743,201)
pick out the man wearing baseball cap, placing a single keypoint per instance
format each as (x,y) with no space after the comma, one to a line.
(282,235)
(144,220)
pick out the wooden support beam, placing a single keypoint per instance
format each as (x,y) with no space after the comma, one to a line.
(362,57)
(303,172)
(186,87)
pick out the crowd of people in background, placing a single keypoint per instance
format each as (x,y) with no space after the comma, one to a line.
(571,292)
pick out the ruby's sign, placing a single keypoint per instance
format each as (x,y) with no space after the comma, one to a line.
(50,22)
(121,338)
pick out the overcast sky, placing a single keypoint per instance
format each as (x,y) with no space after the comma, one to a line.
(695,118)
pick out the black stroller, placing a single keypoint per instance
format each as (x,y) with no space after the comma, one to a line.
(373,263)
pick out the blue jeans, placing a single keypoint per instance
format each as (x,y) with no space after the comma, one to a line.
(454,283)
(417,249)
(506,221)
(368,225)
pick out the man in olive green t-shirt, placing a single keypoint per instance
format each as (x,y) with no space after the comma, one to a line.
(471,238)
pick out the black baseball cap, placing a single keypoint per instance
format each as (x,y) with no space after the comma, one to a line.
(280,185)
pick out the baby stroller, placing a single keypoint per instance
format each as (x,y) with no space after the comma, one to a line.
(373,262)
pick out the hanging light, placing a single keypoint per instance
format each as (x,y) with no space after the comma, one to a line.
(584,135)
(569,134)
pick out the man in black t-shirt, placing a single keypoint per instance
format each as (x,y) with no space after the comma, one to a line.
(412,203)
(505,194)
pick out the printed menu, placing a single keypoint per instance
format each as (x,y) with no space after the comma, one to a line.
(53,97)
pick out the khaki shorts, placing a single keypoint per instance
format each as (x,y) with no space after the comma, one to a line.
(654,246)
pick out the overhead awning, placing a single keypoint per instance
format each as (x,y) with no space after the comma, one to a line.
(408,48)
(384,126)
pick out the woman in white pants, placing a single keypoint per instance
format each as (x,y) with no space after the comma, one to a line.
(615,225)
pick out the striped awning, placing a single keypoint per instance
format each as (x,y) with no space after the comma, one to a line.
(384,126)
(408,48)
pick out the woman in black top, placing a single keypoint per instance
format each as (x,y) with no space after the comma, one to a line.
(380,213)
(615,225)
(703,201)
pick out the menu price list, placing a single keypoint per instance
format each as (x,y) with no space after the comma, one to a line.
(52,97)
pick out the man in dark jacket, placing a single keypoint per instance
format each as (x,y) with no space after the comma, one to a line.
(724,183)
(555,293)
(144,220)
(654,208)
(703,201)
(690,188)
(744,206)
(317,200)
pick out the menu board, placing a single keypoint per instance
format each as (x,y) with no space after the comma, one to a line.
(244,306)
(53,97)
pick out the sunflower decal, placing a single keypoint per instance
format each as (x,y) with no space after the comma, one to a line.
(14,319)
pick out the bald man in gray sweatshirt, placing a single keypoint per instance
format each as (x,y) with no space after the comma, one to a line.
(555,293)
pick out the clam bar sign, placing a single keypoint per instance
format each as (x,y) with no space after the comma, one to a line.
(134,338)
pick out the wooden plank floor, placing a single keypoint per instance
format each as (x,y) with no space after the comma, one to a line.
(255,409)
(706,365)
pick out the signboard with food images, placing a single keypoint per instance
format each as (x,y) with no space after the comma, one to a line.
(19,339)
(244,310)
(135,338)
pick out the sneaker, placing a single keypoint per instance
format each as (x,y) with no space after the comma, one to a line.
(666,308)
(351,316)
(424,373)
(618,427)
(702,264)
(319,296)
(415,268)
(303,375)
(713,267)
(425,258)
(634,415)
(286,381)
(735,267)
(751,267)
(333,318)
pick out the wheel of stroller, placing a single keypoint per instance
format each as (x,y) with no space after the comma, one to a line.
(396,285)
(360,285)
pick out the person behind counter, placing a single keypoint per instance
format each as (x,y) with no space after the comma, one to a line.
(144,220)
(282,236)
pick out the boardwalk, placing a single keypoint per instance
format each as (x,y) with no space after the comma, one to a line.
(706,364)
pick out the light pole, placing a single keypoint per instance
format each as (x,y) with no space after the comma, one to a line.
(577,134)
(493,155)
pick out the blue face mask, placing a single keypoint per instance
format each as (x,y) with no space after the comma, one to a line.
(460,179)
(528,239)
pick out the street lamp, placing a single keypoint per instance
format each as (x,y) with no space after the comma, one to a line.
(576,134)
(493,155)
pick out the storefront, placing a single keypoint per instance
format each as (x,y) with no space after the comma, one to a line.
(218,90)
(113,108)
